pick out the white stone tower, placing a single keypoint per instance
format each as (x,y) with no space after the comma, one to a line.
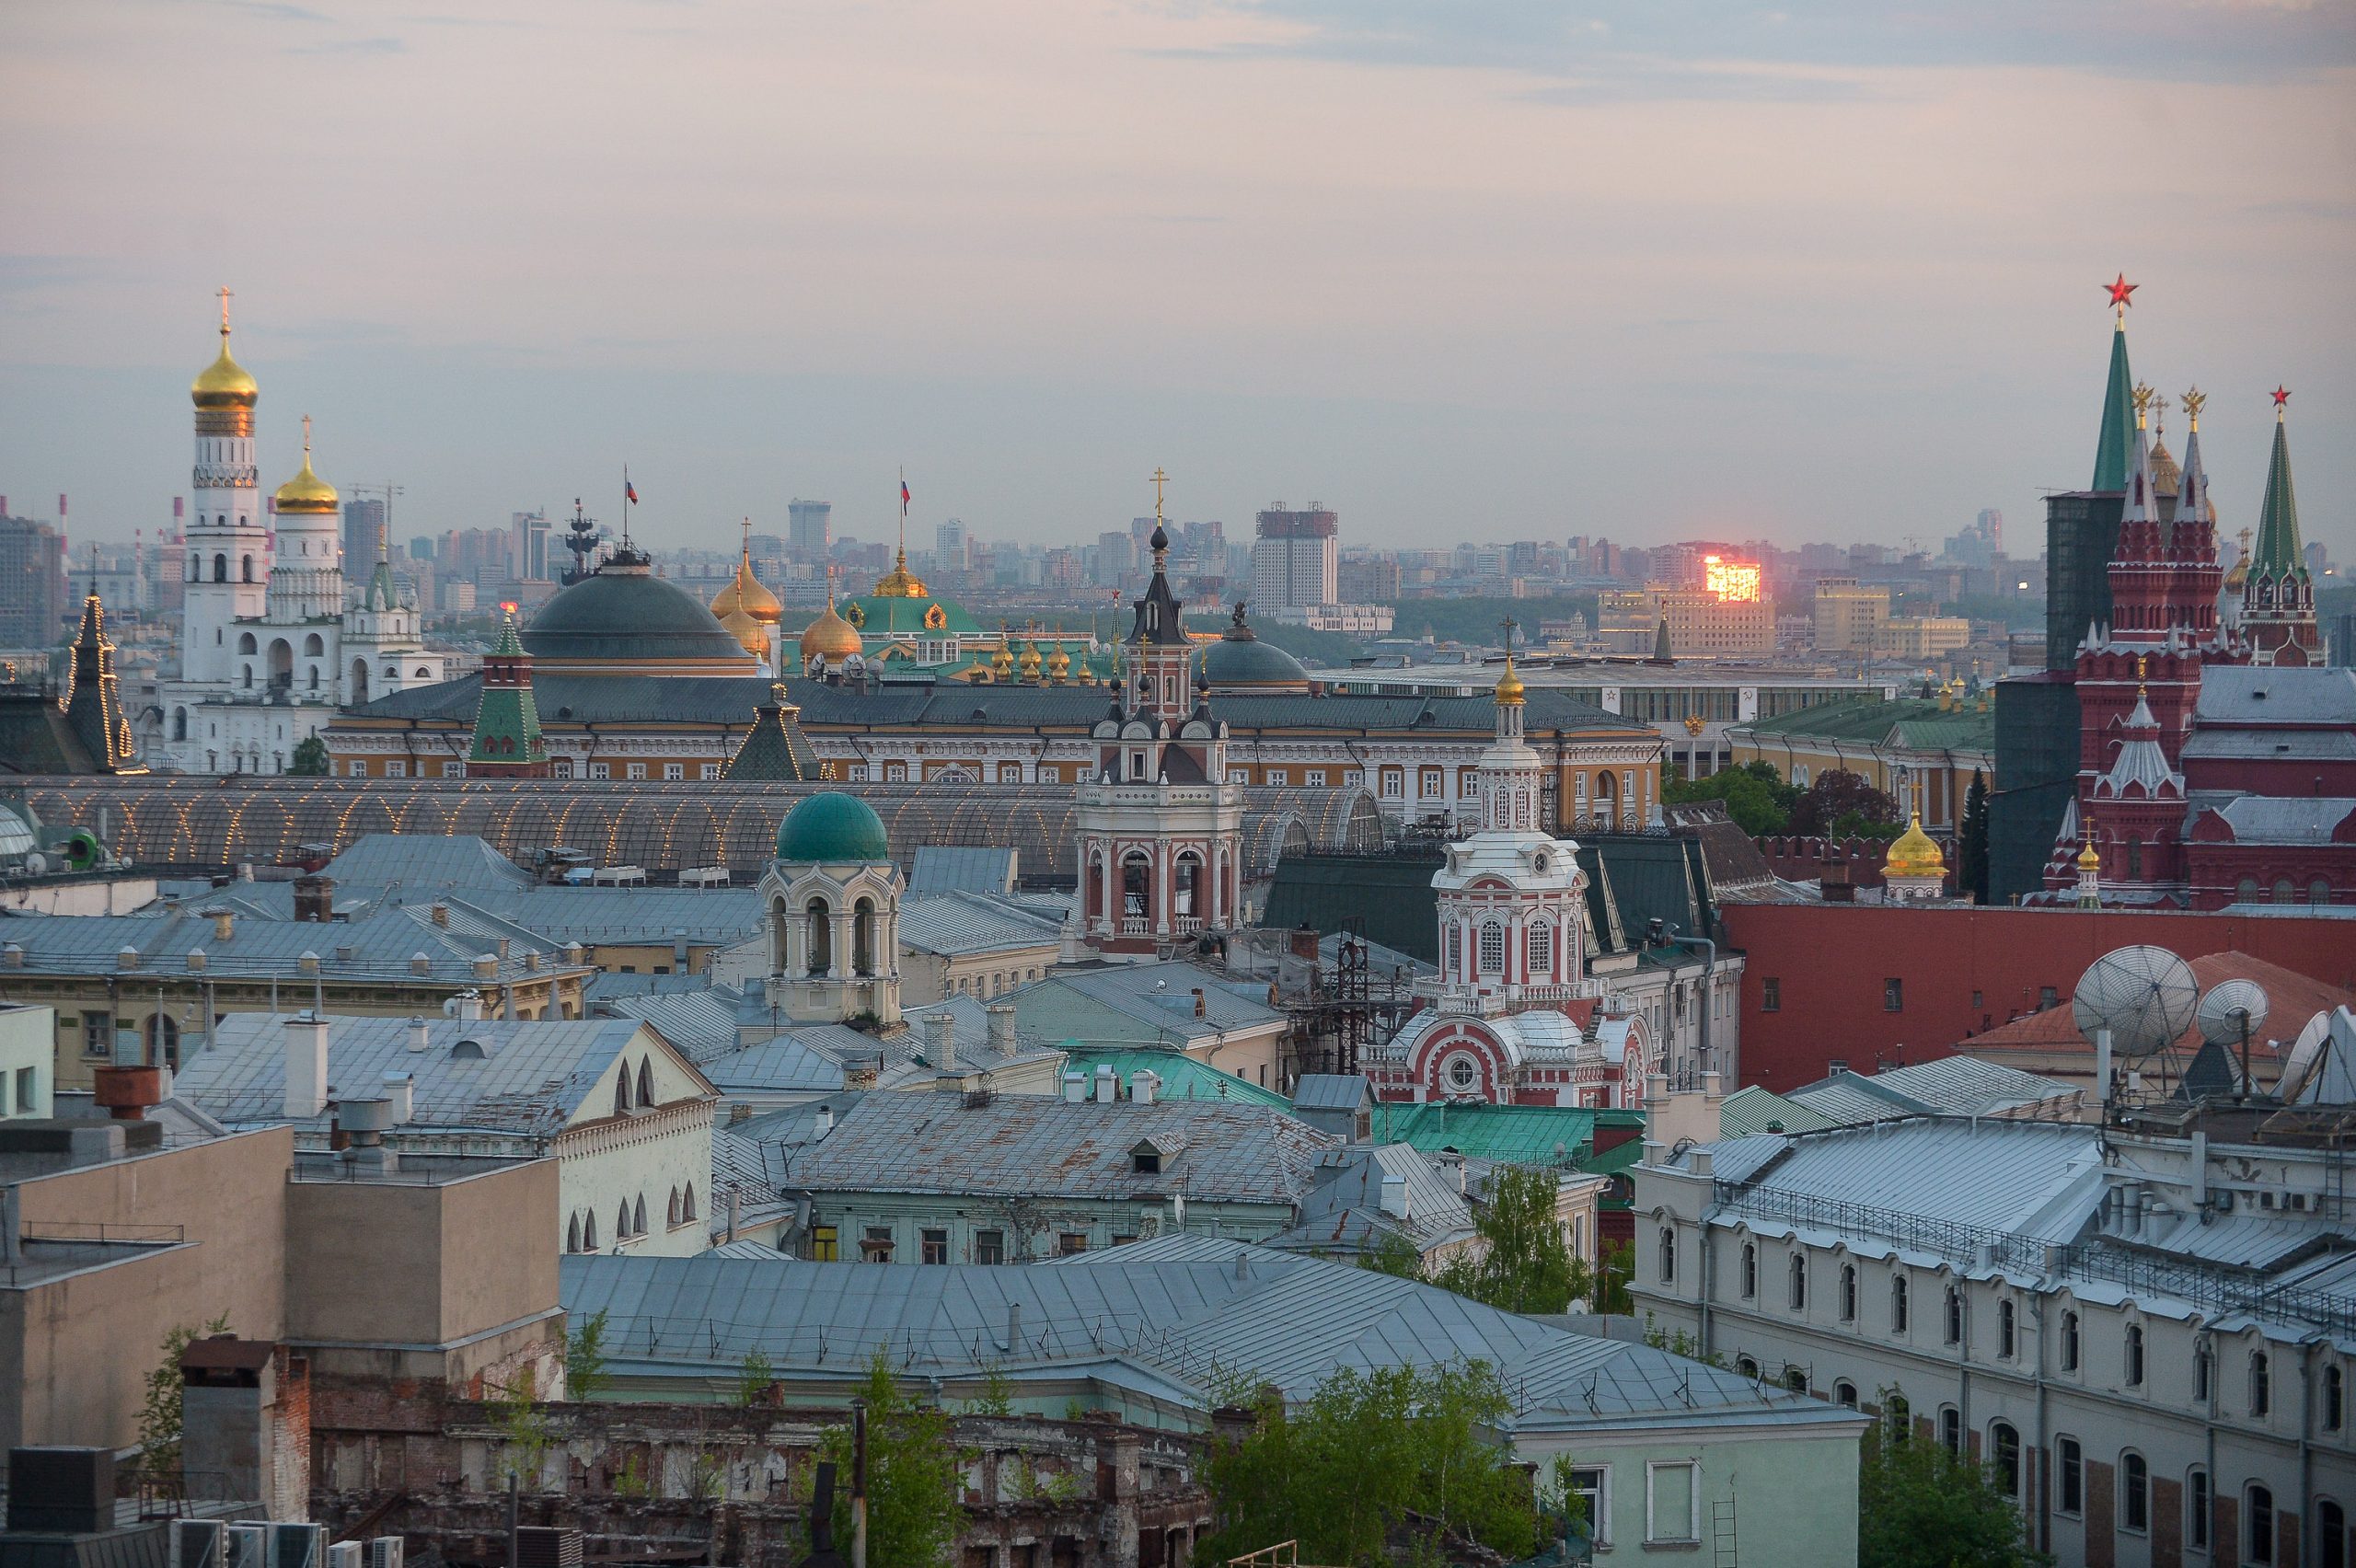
(228,561)
(306,579)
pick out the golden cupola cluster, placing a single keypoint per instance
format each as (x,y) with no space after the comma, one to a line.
(306,495)
(746,593)
(900,583)
(830,637)
(1914,853)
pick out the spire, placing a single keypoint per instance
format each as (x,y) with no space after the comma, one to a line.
(2143,502)
(2192,506)
(2117,438)
(1661,655)
(94,700)
(2277,553)
(508,742)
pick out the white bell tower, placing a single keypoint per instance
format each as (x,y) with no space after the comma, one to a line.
(227,553)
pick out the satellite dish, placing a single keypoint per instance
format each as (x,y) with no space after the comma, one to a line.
(2232,1012)
(2306,1055)
(2144,996)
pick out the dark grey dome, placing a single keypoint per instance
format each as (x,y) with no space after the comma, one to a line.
(629,616)
(1239,659)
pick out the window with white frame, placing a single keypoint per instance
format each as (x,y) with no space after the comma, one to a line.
(453,771)
(1314,778)
(1591,1484)
(1278,777)
(2134,1493)
(2069,1478)
(601,770)
(397,768)
(1673,1500)
(637,770)
(1493,947)
(709,770)
(895,773)
(1432,784)
(675,771)
(1395,784)
(1542,948)
(2196,1508)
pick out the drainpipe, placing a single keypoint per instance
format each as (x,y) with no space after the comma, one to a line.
(2037,1477)
(2206,1344)
(1709,987)
(2307,1441)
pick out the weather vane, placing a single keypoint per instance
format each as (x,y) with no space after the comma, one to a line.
(2194,401)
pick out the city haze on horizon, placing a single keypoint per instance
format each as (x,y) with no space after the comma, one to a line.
(1478,273)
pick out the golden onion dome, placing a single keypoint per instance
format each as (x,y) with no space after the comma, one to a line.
(726,601)
(1058,662)
(224,384)
(2167,475)
(747,631)
(1002,662)
(1509,686)
(1030,660)
(901,584)
(306,495)
(1914,854)
(830,637)
(2088,860)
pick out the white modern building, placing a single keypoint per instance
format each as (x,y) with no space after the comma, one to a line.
(269,643)
(2148,1338)
(1296,559)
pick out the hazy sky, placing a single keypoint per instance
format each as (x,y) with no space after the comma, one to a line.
(1478,268)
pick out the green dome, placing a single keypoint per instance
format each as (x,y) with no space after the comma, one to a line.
(629,618)
(833,828)
(1239,659)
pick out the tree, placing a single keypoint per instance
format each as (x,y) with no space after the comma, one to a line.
(1616,1268)
(584,1360)
(516,1412)
(1920,1506)
(310,758)
(1837,796)
(1757,798)
(755,1378)
(914,1475)
(1370,1455)
(160,1423)
(1971,849)
(1520,1263)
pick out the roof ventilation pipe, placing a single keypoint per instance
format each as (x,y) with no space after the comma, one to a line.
(1075,1087)
(306,1066)
(1001,1029)
(1145,1086)
(1394,1195)
(400,1094)
(1108,1084)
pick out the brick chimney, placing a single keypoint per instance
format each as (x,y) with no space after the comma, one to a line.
(315,899)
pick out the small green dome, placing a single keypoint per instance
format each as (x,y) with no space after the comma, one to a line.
(833,828)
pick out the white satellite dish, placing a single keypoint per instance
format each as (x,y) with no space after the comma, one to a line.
(2232,1012)
(2306,1051)
(2143,995)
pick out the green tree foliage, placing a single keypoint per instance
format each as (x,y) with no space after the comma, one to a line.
(1368,1457)
(1756,796)
(1920,1506)
(1841,803)
(755,1378)
(1616,1265)
(584,1360)
(523,1421)
(310,758)
(1521,1264)
(1971,846)
(913,1503)
(159,1410)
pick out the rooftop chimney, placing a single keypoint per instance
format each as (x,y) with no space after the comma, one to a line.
(441,912)
(1202,1006)
(400,1093)
(420,1035)
(315,899)
(1145,1085)
(1108,1084)
(1075,1086)
(1002,1029)
(306,1066)
(224,925)
(940,1039)
(825,1120)
(1394,1195)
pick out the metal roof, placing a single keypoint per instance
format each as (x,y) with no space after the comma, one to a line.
(1182,1077)
(530,1079)
(1965,1086)
(1142,1004)
(1755,1110)
(1038,1146)
(382,860)
(1174,1317)
(702,1021)
(948,868)
(382,950)
(2274,694)
(1906,723)
(1332,1091)
(955,923)
(1344,1210)
(2301,819)
(1506,1135)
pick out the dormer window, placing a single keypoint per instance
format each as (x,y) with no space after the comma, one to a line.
(1148,1158)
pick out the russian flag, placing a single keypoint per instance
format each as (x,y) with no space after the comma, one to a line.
(630,492)
(904,492)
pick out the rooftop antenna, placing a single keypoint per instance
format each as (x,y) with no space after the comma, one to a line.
(2227,1016)
(2130,1002)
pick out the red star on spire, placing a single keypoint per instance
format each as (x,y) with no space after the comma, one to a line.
(2120,290)
(2282,395)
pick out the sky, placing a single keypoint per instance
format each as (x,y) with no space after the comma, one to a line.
(1472,268)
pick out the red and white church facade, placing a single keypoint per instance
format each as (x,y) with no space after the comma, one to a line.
(1513,1018)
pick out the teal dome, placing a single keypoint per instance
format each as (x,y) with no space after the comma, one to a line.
(1239,659)
(833,828)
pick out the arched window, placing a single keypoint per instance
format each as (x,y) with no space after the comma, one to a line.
(2331,1532)
(1186,884)
(1798,1282)
(1951,1429)
(1899,1315)
(671,1211)
(1848,1293)
(687,1204)
(2246,891)
(621,1091)
(2335,1398)
(1844,1394)
(2319,891)
(621,1222)
(2196,1508)
(1795,1378)
(2201,1367)
(572,1234)
(179,724)
(2069,1477)
(2283,892)
(2069,1341)
(1668,1254)
(2007,1318)
(1542,949)
(862,937)
(1954,1315)
(247,568)
(821,945)
(221,568)
(589,1232)
(246,643)
(646,1082)
(1749,1271)
(1493,947)
(312,647)
(2257,1524)
(2005,1457)
(2134,1493)
(1747,1368)
(2134,1355)
(637,1216)
(2261,1384)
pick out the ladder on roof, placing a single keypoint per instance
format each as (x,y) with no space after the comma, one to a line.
(1722,1541)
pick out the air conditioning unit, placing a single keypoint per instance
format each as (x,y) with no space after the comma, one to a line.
(385,1552)
(200,1543)
(299,1546)
(345,1554)
(249,1547)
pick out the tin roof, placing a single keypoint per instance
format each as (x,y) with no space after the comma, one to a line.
(1504,1135)
(1038,1146)
(1136,1003)
(1182,1077)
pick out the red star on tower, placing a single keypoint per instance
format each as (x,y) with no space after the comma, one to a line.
(2120,290)
(2282,395)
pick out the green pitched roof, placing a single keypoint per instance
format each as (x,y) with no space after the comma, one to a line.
(2277,553)
(1754,1110)
(1182,1077)
(775,749)
(507,721)
(2115,447)
(1509,1135)
(1913,723)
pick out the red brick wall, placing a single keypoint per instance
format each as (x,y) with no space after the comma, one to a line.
(2102,1520)
(2167,1523)
(1830,960)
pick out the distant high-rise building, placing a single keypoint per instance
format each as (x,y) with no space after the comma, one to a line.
(1848,615)
(1369,580)
(809,527)
(1991,524)
(531,550)
(364,522)
(953,547)
(32,565)
(1296,561)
